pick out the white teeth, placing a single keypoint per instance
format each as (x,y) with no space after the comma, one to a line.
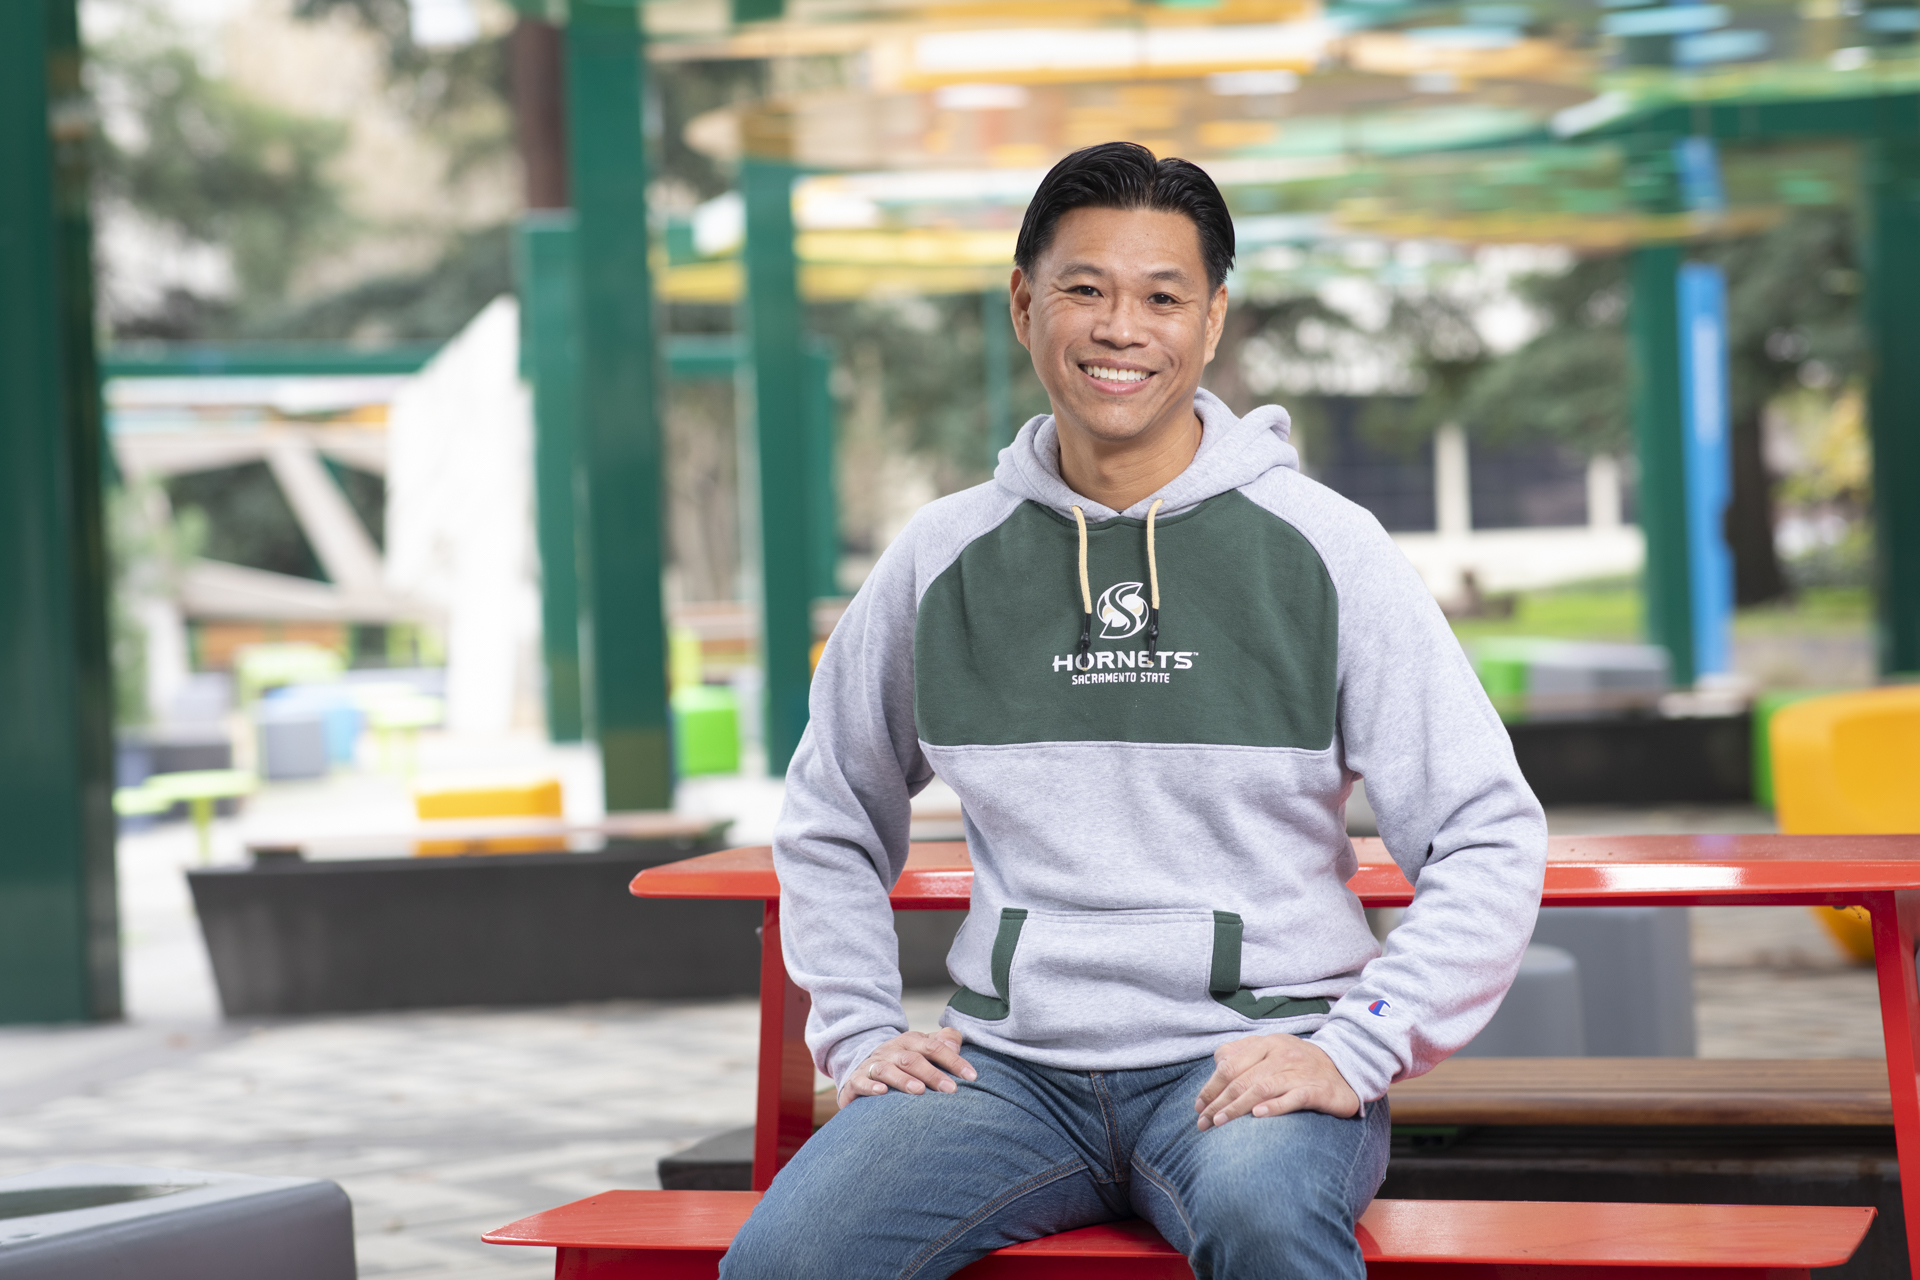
(1114,375)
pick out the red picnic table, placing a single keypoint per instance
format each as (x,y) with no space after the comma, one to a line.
(1880,873)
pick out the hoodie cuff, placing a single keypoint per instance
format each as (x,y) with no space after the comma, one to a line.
(1367,1065)
(853,1051)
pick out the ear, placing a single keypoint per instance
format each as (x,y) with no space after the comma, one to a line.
(1021,300)
(1216,320)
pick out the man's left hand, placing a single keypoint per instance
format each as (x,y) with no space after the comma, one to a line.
(1270,1076)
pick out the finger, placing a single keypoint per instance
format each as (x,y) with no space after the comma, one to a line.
(946,1053)
(895,1075)
(1246,1093)
(1217,1082)
(1301,1098)
(916,1067)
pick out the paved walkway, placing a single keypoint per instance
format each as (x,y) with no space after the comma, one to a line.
(441,1125)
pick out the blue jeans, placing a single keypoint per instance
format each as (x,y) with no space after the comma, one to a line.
(903,1185)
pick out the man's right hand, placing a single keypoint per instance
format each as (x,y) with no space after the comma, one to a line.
(910,1063)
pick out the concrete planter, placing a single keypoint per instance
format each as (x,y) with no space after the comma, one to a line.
(1637,760)
(287,936)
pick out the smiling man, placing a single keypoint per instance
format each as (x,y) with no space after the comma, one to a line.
(1152,659)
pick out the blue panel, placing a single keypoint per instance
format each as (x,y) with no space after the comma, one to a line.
(1709,475)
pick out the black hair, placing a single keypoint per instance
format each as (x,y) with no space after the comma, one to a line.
(1124,175)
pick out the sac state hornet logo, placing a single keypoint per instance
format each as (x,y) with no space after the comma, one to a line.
(1122,610)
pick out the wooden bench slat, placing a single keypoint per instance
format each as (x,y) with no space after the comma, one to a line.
(660,1231)
(1647,1091)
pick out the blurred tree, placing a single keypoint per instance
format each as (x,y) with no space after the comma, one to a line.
(427,305)
(1793,318)
(458,93)
(195,157)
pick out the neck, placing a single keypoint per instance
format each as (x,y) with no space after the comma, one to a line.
(1117,474)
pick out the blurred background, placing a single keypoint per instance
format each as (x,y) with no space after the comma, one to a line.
(451,427)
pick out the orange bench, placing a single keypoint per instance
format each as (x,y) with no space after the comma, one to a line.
(680,1235)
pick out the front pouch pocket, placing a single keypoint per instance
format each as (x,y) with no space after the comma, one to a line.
(994,1007)
(1091,981)
(1223,983)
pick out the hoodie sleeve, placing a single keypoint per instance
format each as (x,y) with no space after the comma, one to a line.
(1454,811)
(841,842)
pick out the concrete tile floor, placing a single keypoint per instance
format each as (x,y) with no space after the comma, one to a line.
(441,1125)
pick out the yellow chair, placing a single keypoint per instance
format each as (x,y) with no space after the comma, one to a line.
(1849,764)
(526,800)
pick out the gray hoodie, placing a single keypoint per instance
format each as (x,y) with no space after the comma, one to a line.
(1155,796)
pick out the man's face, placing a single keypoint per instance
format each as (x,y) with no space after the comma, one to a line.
(1120,321)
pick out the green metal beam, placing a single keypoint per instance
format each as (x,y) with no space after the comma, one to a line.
(708,357)
(774,328)
(690,357)
(550,358)
(625,658)
(262,360)
(1893,393)
(1770,119)
(59,939)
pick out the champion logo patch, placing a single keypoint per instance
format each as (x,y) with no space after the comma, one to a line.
(1379,1008)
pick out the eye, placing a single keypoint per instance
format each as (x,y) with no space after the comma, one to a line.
(1085,291)
(1163,299)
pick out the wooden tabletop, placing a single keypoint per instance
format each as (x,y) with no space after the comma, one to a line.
(1647,1091)
(1581,870)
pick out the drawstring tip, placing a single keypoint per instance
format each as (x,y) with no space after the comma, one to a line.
(1086,632)
(1153,633)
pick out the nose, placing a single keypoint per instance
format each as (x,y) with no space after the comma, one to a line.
(1118,324)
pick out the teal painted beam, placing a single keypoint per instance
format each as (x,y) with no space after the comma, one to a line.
(625,657)
(774,327)
(550,358)
(1770,119)
(59,948)
(996,342)
(704,357)
(1653,331)
(690,357)
(1893,394)
(261,360)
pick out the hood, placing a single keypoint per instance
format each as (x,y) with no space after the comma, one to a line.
(1233,452)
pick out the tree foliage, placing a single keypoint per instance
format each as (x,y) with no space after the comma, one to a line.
(214,166)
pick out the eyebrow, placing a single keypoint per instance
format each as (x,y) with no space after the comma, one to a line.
(1171,274)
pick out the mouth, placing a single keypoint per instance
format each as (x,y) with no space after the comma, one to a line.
(1116,379)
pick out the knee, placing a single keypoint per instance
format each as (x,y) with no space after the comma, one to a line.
(1282,1209)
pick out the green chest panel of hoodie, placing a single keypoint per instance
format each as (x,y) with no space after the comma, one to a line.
(1247,655)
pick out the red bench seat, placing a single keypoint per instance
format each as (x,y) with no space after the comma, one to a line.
(680,1235)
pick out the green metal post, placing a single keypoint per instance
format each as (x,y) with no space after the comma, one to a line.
(773,328)
(1893,394)
(1654,336)
(996,338)
(823,511)
(59,947)
(550,359)
(1659,424)
(625,657)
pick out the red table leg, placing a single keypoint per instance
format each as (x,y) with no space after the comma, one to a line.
(783,1118)
(1896,922)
